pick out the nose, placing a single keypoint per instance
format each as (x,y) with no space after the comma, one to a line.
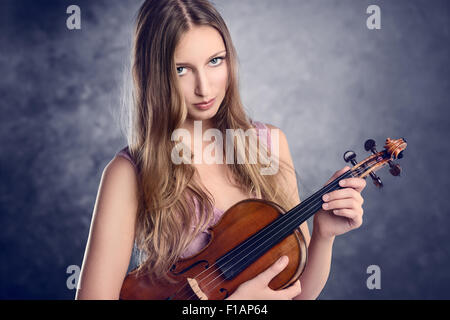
(202,86)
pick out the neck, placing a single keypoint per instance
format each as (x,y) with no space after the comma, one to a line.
(204,124)
(196,130)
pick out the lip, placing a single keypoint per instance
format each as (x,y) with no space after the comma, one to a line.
(205,105)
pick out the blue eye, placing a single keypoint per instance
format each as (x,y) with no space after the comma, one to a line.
(178,70)
(214,64)
(221,59)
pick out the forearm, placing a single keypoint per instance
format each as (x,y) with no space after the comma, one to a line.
(317,268)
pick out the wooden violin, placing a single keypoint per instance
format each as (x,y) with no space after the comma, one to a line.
(250,237)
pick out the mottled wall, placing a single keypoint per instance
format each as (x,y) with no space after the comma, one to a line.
(312,68)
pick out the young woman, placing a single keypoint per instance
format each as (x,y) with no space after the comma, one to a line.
(182,56)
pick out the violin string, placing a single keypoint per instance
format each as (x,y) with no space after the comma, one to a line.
(289,223)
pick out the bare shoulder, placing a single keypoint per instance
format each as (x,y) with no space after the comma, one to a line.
(120,167)
(111,234)
(120,181)
(282,142)
(291,183)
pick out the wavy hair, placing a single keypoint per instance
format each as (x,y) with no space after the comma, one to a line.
(168,192)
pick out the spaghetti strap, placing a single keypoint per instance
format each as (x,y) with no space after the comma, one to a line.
(259,126)
(126,154)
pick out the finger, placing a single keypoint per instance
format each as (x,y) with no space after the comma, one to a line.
(292,291)
(347,213)
(337,174)
(273,270)
(350,203)
(356,183)
(355,219)
(343,194)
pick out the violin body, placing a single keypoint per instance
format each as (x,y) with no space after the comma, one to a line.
(200,277)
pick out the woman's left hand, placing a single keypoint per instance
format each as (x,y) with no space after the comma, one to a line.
(342,210)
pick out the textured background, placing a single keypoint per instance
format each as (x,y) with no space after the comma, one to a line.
(312,68)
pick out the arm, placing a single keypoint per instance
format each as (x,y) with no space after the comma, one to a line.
(317,270)
(111,234)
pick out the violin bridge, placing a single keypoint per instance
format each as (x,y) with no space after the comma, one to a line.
(194,286)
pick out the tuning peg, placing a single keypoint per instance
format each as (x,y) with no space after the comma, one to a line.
(369,145)
(395,169)
(376,180)
(350,156)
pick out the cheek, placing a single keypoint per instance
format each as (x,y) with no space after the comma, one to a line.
(220,78)
(186,88)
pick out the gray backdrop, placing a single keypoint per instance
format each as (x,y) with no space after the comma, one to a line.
(312,68)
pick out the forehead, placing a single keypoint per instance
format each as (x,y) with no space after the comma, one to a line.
(198,43)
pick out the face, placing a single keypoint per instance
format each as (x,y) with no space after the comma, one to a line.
(202,70)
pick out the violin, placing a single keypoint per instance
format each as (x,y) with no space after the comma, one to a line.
(250,237)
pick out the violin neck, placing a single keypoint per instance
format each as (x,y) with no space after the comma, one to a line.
(308,207)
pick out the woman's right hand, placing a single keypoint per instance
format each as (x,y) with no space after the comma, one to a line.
(258,287)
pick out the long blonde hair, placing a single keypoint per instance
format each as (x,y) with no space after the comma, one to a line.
(166,190)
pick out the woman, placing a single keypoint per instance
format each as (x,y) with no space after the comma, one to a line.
(183,55)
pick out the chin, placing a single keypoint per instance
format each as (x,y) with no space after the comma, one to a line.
(202,115)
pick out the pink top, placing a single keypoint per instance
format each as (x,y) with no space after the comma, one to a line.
(203,238)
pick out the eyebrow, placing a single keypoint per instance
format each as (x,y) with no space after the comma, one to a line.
(188,64)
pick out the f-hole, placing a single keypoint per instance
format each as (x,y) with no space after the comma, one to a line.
(206,266)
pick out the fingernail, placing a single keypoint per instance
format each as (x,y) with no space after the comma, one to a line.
(342,183)
(325,197)
(325,205)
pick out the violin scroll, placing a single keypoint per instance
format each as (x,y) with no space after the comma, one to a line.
(393,149)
